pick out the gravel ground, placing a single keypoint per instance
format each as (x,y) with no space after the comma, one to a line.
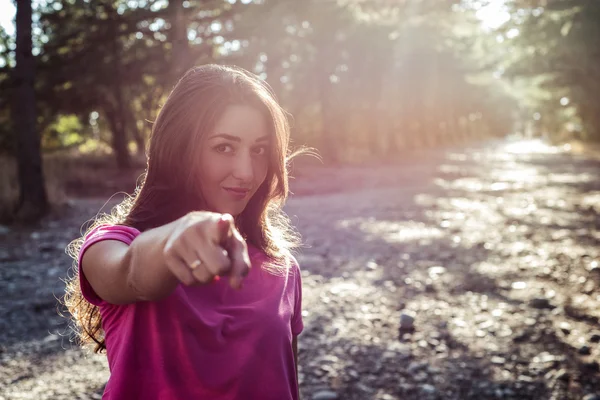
(459,274)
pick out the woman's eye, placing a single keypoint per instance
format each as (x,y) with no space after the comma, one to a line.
(260,151)
(223,148)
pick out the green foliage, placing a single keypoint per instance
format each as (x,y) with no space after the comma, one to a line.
(66,131)
(557,50)
(355,74)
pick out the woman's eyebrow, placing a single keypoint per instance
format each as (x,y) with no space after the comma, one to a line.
(262,138)
(237,138)
(226,136)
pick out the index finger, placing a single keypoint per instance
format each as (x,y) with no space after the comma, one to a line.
(237,251)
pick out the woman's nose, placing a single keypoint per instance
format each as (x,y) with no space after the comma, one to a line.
(243,167)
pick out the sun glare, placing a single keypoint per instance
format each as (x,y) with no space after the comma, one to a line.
(493,14)
(7,16)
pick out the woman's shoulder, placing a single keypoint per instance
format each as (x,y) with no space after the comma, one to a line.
(112,231)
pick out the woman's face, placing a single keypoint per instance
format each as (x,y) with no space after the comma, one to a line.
(234,159)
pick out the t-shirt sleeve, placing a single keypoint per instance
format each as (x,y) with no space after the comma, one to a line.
(122,233)
(297,323)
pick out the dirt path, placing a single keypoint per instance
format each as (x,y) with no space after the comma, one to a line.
(471,274)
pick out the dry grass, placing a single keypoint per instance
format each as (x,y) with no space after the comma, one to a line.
(586,148)
(68,175)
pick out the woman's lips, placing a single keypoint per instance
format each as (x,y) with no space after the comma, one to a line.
(237,193)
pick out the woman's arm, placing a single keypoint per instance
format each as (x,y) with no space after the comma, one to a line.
(112,268)
(158,259)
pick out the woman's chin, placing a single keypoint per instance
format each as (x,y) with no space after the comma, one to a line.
(233,210)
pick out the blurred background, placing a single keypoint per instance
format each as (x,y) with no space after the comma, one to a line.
(81,81)
(451,230)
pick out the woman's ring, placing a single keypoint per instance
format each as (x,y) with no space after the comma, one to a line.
(195,264)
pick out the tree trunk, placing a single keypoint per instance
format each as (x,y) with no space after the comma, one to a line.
(33,200)
(375,108)
(328,127)
(138,137)
(116,115)
(118,138)
(329,134)
(591,117)
(132,128)
(274,70)
(180,61)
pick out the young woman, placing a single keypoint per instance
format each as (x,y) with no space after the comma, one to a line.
(190,285)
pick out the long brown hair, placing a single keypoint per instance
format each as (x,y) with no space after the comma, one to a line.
(169,188)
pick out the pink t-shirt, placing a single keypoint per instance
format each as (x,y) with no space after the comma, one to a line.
(205,342)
